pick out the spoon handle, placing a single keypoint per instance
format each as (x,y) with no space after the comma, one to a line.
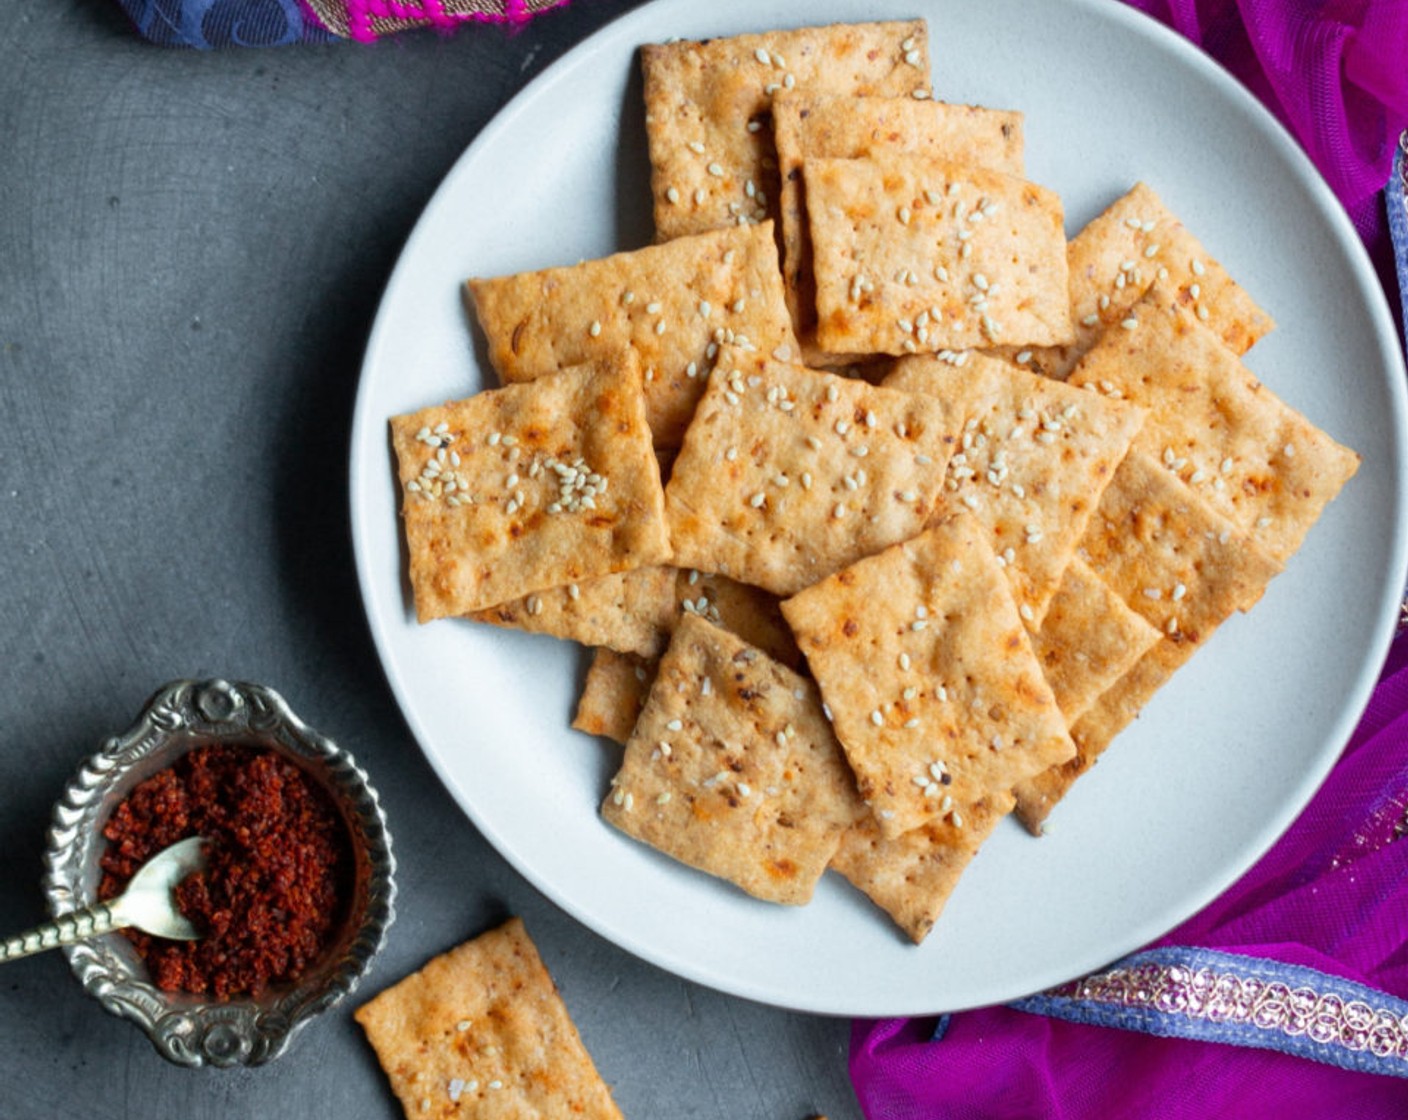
(63,930)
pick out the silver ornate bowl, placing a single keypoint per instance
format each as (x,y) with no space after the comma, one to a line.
(186,1029)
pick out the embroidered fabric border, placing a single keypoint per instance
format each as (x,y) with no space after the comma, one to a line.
(1396,202)
(1396,197)
(366,20)
(212,24)
(1214,996)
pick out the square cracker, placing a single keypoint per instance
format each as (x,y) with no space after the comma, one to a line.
(1252,457)
(733,769)
(1032,461)
(1180,565)
(630,612)
(706,106)
(482,1031)
(809,126)
(672,304)
(912,876)
(912,254)
(616,685)
(1088,640)
(1115,259)
(614,694)
(487,513)
(929,676)
(787,474)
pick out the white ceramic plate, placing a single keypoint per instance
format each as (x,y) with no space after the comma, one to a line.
(1218,765)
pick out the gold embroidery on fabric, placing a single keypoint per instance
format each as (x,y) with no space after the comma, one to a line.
(334,14)
(1226,997)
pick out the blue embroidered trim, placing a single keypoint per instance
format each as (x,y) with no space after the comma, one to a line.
(1213,996)
(1396,196)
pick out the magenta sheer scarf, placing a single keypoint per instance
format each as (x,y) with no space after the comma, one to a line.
(1305,957)
(1334,71)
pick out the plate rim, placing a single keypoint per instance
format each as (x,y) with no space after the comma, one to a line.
(1350,709)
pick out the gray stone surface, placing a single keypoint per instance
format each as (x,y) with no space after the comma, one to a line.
(191,250)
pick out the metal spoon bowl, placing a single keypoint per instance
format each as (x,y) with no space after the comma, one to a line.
(195,1029)
(148,904)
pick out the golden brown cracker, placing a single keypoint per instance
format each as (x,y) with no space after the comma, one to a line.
(528,487)
(787,474)
(733,769)
(929,676)
(915,255)
(482,1031)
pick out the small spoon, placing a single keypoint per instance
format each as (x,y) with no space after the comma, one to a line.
(147,904)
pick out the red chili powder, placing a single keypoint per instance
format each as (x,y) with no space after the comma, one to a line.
(269,899)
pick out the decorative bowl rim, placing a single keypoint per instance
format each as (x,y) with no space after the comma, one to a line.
(186,1029)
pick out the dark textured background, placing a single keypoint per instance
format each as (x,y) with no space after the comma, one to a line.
(192,247)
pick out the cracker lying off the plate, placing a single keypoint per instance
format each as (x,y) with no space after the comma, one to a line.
(672,304)
(733,769)
(787,474)
(929,676)
(911,877)
(1089,639)
(1031,463)
(1250,455)
(629,612)
(1115,259)
(1181,566)
(481,1031)
(811,126)
(712,159)
(529,487)
(912,254)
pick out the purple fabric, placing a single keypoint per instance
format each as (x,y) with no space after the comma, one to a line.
(1332,894)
